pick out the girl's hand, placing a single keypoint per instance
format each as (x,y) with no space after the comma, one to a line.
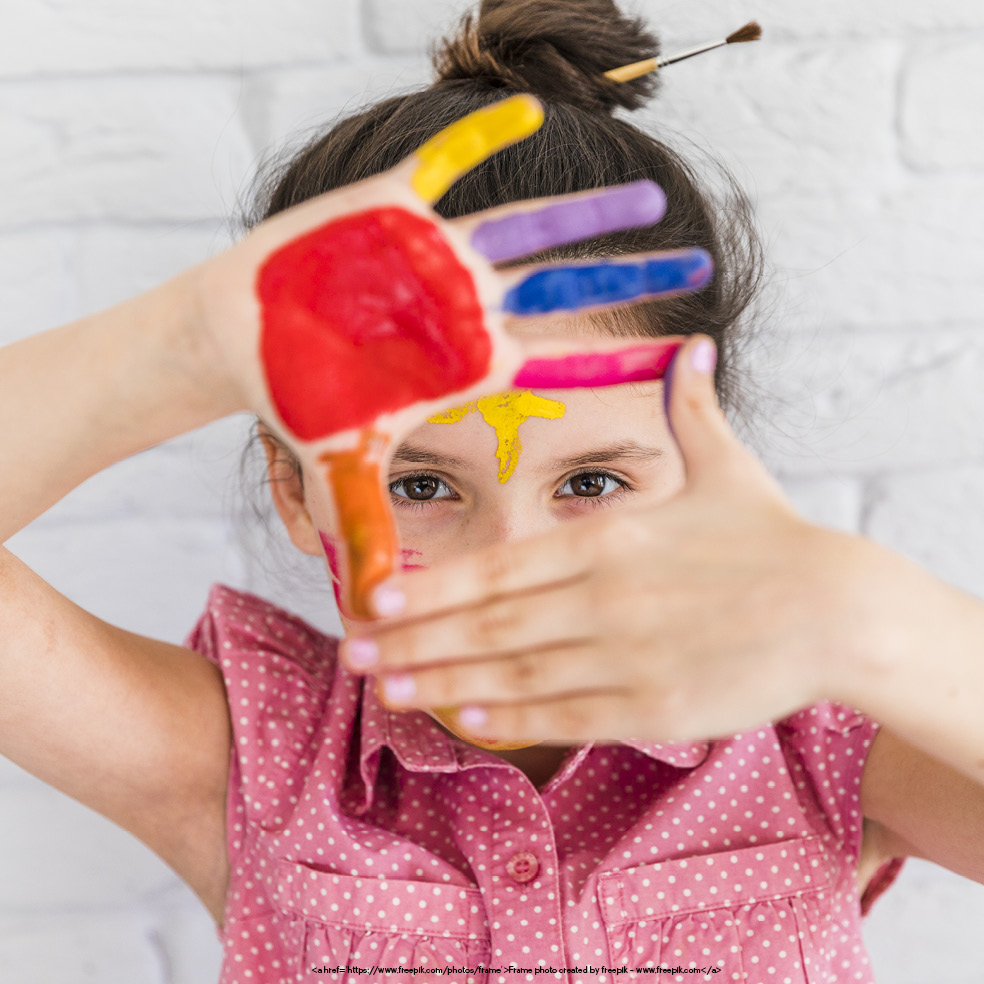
(347,320)
(693,619)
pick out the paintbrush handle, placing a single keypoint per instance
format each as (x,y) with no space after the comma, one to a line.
(626,73)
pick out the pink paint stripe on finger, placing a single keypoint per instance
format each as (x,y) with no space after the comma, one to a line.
(629,365)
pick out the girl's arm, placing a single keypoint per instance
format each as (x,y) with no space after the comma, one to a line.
(135,728)
(920,671)
(79,398)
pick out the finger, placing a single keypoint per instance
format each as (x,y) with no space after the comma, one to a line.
(595,716)
(506,626)
(462,145)
(699,425)
(587,285)
(515,231)
(370,545)
(534,675)
(554,560)
(600,367)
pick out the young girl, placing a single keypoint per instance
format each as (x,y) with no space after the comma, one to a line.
(329,830)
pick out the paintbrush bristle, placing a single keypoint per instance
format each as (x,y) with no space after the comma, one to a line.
(750,32)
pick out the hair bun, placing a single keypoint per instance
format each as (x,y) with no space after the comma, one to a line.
(555,49)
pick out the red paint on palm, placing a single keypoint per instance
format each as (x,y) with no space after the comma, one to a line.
(365,316)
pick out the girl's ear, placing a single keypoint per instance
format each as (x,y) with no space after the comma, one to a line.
(286,483)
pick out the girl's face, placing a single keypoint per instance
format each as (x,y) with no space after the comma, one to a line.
(471,477)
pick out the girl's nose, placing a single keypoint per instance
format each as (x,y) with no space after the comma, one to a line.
(507,523)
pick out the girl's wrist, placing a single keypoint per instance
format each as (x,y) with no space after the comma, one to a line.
(189,348)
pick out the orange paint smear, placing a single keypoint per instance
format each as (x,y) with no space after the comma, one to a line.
(448,716)
(364,520)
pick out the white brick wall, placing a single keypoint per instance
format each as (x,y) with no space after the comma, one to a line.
(129,131)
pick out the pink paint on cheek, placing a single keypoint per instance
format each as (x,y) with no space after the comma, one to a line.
(331,555)
(405,560)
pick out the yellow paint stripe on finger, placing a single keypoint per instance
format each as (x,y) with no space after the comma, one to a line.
(462,145)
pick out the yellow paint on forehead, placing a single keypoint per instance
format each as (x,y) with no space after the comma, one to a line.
(504,412)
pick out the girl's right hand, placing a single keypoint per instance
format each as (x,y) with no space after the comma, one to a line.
(348,320)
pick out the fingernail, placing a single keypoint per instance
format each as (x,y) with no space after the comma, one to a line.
(362,653)
(472,717)
(387,600)
(703,358)
(399,688)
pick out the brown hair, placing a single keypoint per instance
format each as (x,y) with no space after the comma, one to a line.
(558,50)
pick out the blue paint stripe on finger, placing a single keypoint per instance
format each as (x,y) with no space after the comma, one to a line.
(597,285)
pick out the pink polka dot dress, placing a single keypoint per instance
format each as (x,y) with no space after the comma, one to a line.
(364,842)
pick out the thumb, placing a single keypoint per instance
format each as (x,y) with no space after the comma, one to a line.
(696,420)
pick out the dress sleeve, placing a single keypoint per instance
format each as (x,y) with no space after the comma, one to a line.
(277,671)
(827,748)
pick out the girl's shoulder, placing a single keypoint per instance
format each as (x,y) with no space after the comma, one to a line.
(244,635)
(280,676)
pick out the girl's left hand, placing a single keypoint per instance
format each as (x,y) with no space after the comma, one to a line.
(711,613)
(347,320)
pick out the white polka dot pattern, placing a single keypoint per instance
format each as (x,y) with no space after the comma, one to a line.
(363,838)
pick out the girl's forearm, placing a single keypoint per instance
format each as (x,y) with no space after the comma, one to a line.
(76,399)
(917,662)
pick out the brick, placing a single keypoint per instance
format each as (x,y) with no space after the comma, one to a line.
(942,92)
(192,477)
(37,282)
(114,35)
(793,118)
(291,105)
(411,25)
(117,262)
(155,148)
(148,576)
(83,948)
(932,517)
(58,853)
(876,404)
(906,257)
(683,25)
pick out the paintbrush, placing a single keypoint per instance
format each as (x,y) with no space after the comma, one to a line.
(750,32)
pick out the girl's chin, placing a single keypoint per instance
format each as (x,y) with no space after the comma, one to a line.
(446,716)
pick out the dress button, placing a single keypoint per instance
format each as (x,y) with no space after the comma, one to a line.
(523,867)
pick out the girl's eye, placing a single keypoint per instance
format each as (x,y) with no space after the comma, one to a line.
(420,488)
(590,485)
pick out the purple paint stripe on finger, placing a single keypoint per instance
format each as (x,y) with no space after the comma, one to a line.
(610,209)
(628,365)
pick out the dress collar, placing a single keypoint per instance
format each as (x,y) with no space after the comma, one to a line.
(421,746)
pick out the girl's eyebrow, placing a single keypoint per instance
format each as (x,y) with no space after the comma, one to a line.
(413,454)
(608,452)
